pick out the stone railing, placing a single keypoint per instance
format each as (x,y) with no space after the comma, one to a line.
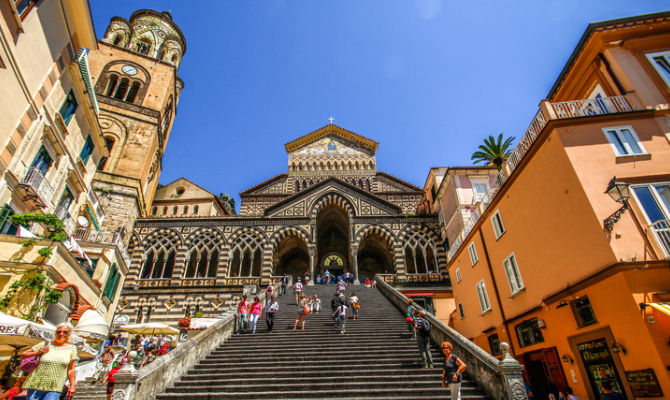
(154,378)
(500,379)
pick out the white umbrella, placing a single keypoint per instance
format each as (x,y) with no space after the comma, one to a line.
(150,328)
(17,333)
(92,325)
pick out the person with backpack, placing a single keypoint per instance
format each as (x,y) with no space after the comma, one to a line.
(423,339)
(297,290)
(303,310)
(355,306)
(271,309)
(410,317)
(340,315)
(334,303)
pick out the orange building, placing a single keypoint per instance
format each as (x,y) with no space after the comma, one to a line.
(568,258)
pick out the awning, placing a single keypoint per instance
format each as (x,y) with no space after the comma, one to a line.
(420,294)
(92,325)
(662,307)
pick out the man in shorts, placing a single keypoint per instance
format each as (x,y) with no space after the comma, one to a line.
(297,290)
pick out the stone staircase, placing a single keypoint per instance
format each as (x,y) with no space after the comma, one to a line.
(375,359)
(87,390)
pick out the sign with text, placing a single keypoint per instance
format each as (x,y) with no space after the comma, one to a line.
(643,383)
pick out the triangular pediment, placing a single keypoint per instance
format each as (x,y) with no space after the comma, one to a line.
(274,185)
(182,189)
(348,138)
(362,203)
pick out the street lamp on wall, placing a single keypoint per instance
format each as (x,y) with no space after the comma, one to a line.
(619,192)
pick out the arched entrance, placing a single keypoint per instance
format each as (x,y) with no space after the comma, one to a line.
(375,256)
(291,257)
(332,229)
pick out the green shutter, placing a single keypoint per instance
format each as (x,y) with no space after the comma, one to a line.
(112,283)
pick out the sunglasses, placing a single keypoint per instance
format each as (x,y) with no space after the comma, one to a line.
(62,332)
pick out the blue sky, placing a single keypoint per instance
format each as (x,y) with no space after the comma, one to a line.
(427,79)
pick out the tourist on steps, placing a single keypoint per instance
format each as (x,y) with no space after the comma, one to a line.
(334,303)
(340,315)
(271,309)
(316,304)
(423,339)
(297,290)
(355,306)
(254,313)
(410,317)
(243,315)
(452,370)
(284,283)
(303,310)
(341,286)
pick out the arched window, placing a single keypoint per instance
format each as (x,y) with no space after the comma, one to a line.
(113,81)
(247,256)
(307,167)
(367,184)
(328,165)
(143,46)
(122,89)
(300,166)
(203,258)
(185,210)
(109,143)
(167,116)
(132,92)
(117,40)
(195,209)
(356,165)
(174,210)
(159,259)
(154,211)
(297,186)
(420,254)
(371,165)
(311,182)
(314,166)
(360,183)
(304,184)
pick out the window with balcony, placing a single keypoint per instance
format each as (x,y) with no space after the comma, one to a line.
(473,254)
(654,200)
(112,283)
(624,141)
(513,274)
(498,227)
(483,296)
(87,150)
(583,312)
(66,199)
(68,108)
(479,187)
(42,160)
(529,333)
(661,63)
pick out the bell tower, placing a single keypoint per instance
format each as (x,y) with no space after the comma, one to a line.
(135,74)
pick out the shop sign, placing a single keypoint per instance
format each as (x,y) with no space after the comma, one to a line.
(643,383)
(599,366)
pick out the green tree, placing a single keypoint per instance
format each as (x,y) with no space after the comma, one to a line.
(494,151)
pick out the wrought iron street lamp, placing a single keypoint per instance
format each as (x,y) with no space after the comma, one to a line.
(619,192)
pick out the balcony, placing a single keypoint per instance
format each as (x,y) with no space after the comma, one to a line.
(105,237)
(661,231)
(35,189)
(548,111)
(64,215)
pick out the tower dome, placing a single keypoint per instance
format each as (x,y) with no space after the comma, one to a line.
(150,33)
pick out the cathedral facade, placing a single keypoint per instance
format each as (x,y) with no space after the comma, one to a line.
(331,210)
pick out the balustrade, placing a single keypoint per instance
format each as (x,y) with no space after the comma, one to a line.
(37,183)
(661,230)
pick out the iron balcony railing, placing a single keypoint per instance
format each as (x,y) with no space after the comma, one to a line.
(35,180)
(64,215)
(560,110)
(106,237)
(661,230)
(82,61)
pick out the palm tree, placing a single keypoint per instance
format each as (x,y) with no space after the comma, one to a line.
(493,151)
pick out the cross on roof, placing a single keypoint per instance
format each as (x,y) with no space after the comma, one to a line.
(331,119)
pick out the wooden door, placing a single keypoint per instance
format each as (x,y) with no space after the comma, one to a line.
(554,368)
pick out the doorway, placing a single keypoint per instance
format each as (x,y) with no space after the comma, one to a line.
(543,372)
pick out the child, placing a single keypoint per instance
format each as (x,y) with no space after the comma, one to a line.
(341,313)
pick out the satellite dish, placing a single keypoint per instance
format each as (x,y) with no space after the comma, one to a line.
(82,221)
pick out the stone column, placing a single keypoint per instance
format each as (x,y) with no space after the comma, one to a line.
(312,261)
(354,263)
(512,373)
(125,379)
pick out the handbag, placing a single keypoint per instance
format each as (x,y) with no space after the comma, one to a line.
(356,306)
(306,310)
(29,364)
(409,319)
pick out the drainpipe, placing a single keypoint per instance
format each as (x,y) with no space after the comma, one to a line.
(495,290)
